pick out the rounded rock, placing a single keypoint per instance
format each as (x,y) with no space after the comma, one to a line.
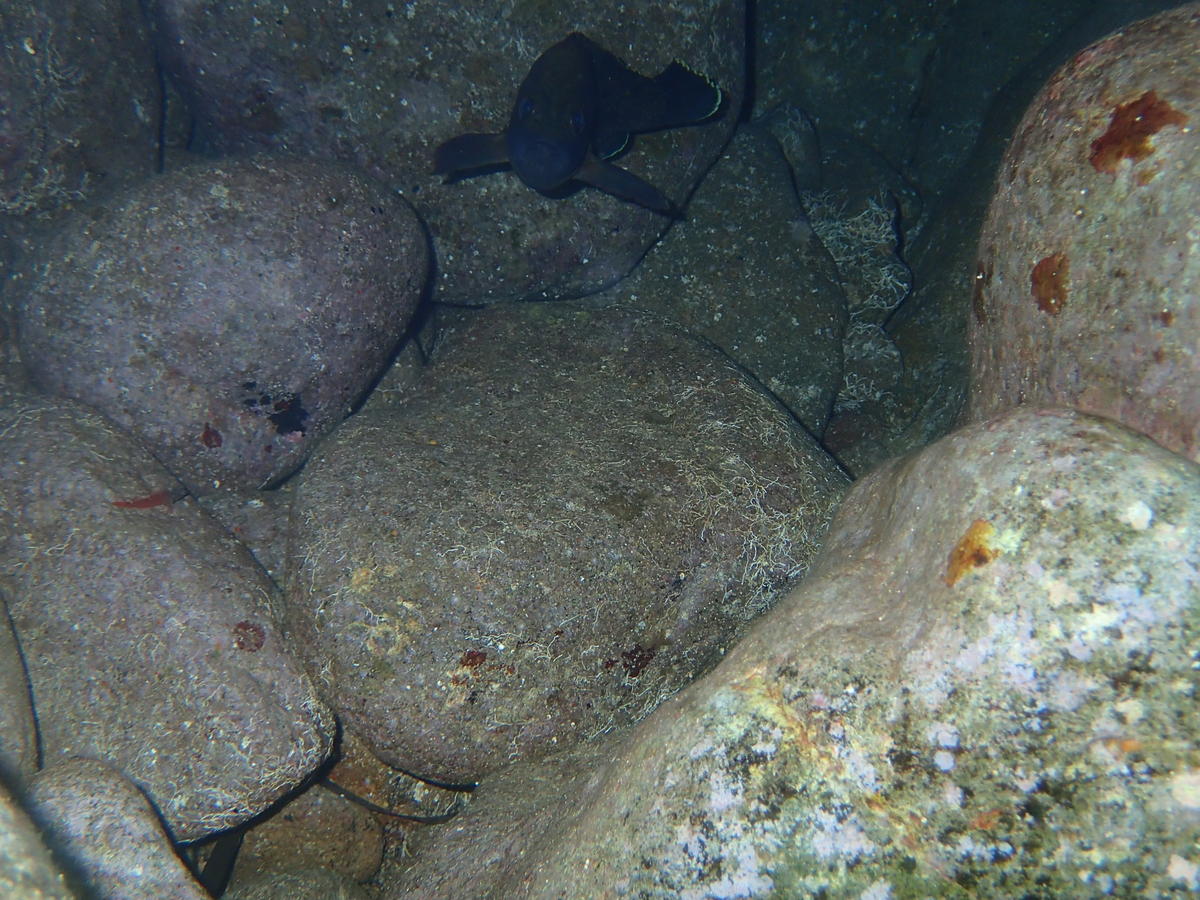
(1089,260)
(228,313)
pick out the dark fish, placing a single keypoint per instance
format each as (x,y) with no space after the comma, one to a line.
(575,109)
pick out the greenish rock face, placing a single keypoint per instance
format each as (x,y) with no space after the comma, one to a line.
(984,687)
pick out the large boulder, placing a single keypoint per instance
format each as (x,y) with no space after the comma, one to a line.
(150,635)
(985,686)
(1089,261)
(575,514)
(381,85)
(229,313)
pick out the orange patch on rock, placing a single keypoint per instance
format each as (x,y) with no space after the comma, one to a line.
(1130,129)
(973,551)
(1048,282)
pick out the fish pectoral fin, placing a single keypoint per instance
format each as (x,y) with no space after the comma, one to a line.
(626,186)
(469,151)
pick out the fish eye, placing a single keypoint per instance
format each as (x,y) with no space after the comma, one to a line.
(578,122)
(524,108)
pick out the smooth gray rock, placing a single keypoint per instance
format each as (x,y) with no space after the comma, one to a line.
(27,869)
(228,313)
(105,829)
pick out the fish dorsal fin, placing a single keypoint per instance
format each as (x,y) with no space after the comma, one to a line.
(629,103)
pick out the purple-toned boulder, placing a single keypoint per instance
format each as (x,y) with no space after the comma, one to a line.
(149,634)
(1087,288)
(227,314)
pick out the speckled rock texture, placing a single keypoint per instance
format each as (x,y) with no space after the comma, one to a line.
(304,884)
(1089,261)
(103,828)
(576,514)
(149,633)
(73,125)
(18,734)
(381,85)
(919,88)
(26,868)
(317,829)
(229,313)
(984,687)
(747,272)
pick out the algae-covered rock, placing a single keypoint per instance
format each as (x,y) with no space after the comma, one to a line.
(104,828)
(229,313)
(984,687)
(149,634)
(746,271)
(1089,261)
(574,515)
(79,107)
(381,85)
(303,884)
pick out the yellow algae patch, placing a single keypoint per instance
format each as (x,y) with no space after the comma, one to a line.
(365,577)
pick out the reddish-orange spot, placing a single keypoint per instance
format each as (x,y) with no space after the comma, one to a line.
(974,551)
(1049,283)
(987,820)
(1166,317)
(1130,129)
(248,636)
(473,658)
(635,660)
(211,438)
(1122,745)
(158,498)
